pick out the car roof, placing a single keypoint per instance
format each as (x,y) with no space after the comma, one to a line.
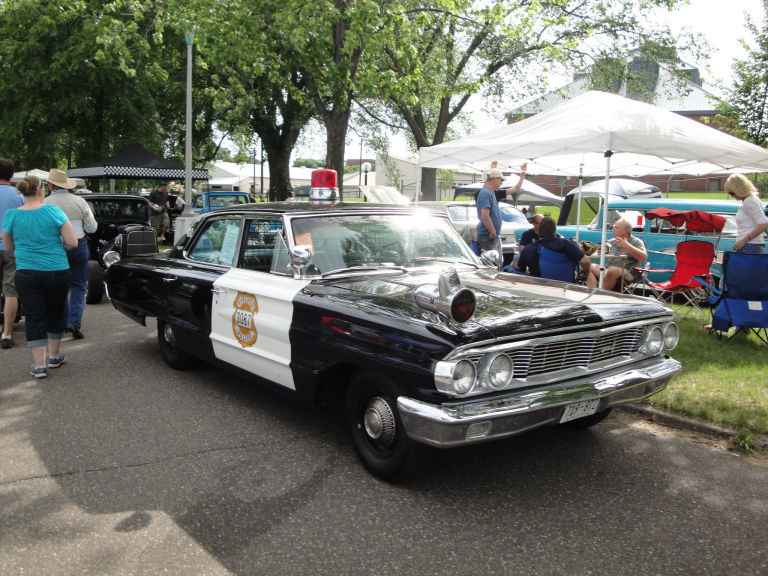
(441,204)
(307,208)
(133,197)
(675,204)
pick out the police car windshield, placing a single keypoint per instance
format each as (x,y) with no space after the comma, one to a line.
(368,241)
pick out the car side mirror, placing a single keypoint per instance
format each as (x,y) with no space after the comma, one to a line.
(300,255)
(490,258)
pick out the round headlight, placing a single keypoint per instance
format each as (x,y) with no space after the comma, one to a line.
(654,340)
(671,336)
(463,377)
(500,371)
(110,258)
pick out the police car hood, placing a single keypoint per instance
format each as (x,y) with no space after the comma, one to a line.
(507,304)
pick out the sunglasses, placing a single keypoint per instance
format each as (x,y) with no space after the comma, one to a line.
(732,194)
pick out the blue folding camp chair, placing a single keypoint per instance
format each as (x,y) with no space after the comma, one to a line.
(742,301)
(556,265)
(552,265)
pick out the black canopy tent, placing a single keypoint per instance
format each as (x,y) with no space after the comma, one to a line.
(136,163)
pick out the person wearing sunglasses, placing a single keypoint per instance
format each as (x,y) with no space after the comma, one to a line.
(751,222)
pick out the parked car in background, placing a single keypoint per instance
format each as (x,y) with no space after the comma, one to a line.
(119,217)
(463,216)
(301,192)
(385,312)
(660,237)
(212,199)
(592,194)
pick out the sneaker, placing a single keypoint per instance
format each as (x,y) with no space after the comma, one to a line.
(55,361)
(39,371)
(6,343)
(76,333)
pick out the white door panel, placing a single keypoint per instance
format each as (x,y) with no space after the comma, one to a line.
(251,319)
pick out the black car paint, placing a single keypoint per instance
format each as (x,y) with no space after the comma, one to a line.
(348,322)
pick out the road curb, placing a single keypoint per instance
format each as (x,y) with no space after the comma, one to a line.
(677,421)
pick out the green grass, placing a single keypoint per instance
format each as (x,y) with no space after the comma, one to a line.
(722,382)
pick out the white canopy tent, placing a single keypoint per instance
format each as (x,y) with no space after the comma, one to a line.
(597,133)
(529,193)
(42,174)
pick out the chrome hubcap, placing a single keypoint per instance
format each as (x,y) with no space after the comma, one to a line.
(379,422)
(169,336)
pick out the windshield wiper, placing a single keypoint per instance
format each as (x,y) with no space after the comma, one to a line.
(444,260)
(355,269)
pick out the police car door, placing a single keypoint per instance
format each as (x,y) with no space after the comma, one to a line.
(253,305)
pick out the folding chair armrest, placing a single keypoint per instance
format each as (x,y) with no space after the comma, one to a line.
(705,281)
(512,270)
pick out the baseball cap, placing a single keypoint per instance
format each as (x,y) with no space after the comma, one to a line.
(494,173)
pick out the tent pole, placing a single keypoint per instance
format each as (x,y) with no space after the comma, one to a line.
(608,154)
(578,201)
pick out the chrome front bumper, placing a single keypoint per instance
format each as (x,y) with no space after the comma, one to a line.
(467,422)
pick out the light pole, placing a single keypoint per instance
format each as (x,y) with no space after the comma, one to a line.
(187,215)
(190,38)
(360,174)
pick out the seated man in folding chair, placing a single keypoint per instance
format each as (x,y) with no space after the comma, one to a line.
(624,253)
(548,238)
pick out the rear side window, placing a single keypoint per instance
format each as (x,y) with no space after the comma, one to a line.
(217,243)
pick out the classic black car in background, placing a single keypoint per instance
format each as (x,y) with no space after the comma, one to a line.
(117,216)
(387,311)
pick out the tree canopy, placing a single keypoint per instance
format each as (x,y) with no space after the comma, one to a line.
(99,75)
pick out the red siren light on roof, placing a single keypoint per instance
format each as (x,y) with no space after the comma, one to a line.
(323,189)
(324,178)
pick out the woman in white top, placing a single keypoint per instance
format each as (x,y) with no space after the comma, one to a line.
(751,222)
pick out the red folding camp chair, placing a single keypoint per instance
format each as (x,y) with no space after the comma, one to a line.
(694,258)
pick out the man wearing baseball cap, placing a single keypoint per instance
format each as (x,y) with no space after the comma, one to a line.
(489,215)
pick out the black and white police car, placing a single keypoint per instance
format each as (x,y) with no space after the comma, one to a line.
(386,309)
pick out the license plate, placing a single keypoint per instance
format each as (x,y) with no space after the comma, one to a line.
(580,409)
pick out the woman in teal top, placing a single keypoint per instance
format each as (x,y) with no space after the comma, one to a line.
(39,236)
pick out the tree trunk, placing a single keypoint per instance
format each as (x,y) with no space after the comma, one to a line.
(336,124)
(428,184)
(279,160)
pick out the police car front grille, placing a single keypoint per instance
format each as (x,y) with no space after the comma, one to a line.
(571,353)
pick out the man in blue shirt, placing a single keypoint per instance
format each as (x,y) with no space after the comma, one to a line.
(531,235)
(9,198)
(489,215)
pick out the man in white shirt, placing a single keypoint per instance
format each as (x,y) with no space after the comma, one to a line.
(81,217)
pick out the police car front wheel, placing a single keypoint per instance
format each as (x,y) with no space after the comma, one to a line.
(377,432)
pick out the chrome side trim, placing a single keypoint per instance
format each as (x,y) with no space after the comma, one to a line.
(446,425)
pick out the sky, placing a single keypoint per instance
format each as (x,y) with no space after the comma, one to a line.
(721,22)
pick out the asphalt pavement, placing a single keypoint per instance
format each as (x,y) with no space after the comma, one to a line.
(117,464)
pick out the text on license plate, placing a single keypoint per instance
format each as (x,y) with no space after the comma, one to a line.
(580,409)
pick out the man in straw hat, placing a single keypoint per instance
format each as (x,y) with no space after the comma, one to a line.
(81,217)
